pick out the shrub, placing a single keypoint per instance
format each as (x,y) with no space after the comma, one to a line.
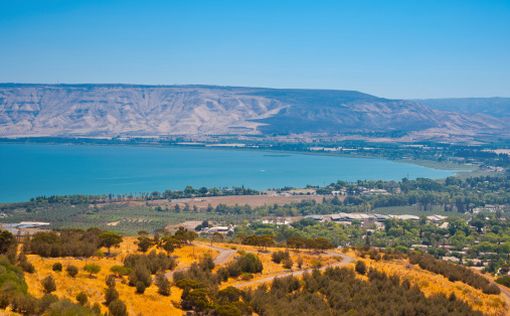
(82,298)
(48,284)
(57,267)
(279,256)
(72,270)
(361,267)
(110,281)
(140,274)
(504,280)
(140,287)
(162,284)
(65,307)
(110,295)
(117,308)
(287,263)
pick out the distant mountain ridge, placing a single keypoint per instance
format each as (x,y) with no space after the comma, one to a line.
(109,110)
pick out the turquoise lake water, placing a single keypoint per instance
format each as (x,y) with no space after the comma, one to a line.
(29,170)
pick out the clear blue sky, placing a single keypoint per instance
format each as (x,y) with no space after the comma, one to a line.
(401,49)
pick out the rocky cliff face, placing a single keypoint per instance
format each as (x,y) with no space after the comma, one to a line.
(135,110)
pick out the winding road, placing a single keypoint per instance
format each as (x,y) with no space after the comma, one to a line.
(345,261)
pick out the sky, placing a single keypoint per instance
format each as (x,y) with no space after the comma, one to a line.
(392,48)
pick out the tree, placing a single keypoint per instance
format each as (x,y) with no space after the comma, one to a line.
(92,268)
(109,240)
(162,284)
(7,243)
(144,243)
(117,308)
(72,270)
(48,284)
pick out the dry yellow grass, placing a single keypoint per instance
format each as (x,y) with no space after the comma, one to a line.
(431,283)
(150,303)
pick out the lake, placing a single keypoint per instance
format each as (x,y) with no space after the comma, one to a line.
(29,170)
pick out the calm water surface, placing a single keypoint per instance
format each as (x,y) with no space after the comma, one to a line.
(29,170)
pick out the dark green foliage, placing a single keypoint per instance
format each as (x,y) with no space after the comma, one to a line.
(92,268)
(66,308)
(140,275)
(256,240)
(248,263)
(144,243)
(48,284)
(57,267)
(24,264)
(279,256)
(454,272)
(72,270)
(117,308)
(110,295)
(153,262)
(287,263)
(206,262)
(109,240)
(82,298)
(360,267)
(68,242)
(338,292)
(8,244)
(162,284)
(140,287)
(504,280)
(110,280)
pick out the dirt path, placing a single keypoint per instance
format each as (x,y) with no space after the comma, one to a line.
(224,255)
(345,261)
(506,295)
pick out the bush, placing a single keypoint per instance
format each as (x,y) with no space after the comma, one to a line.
(24,264)
(110,295)
(48,284)
(117,308)
(110,281)
(140,287)
(287,263)
(57,267)
(82,298)
(504,280)
(361,267)
(162,284)
(140,273)
(72,270)
(65,307)
(279,256)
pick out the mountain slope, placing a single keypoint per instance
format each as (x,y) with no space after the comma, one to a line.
(106,110)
